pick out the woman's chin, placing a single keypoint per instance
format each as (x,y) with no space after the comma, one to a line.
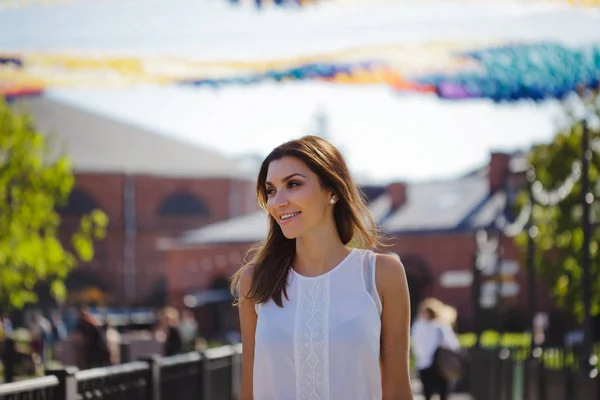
(289,234)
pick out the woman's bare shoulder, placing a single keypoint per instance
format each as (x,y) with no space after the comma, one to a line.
(390,273)
(245,278)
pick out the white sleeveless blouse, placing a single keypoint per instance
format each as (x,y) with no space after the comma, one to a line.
(324,343)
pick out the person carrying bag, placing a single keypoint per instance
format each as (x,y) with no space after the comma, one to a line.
(435,347)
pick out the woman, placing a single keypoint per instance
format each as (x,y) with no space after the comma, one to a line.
(319,319)
(430,331)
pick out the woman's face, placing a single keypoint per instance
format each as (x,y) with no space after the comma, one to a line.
(295,198)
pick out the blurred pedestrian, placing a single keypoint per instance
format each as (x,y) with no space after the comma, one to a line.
(58,327)
(169,332)
(431,331)
(7,324)
(189,330)
(92,347)
(40,333)
(8,352)
(112,337)
(58,332)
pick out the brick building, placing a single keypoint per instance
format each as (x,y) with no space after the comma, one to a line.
(182,218)
(432,226)
(150,186)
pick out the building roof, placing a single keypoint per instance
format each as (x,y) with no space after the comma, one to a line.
(96,143)
(438,206)
(449,206)
(488,213)
(247,228)
(251,228)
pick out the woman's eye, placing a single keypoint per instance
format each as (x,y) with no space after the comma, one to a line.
(293,184)
(270,192)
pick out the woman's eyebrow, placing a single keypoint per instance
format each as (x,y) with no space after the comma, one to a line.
(287,178)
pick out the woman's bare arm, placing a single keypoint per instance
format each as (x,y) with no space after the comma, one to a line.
(248,319)
(395,328)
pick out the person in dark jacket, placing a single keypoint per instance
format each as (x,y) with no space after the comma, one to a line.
(93,347)
(8,351)
(9,356)
(168,330)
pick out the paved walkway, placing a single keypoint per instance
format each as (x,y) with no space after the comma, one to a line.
(417,389)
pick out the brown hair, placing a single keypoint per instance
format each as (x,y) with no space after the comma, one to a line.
(432,307)
(272,259)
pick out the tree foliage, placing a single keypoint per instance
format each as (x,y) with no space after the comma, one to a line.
(559,243)
(33,184)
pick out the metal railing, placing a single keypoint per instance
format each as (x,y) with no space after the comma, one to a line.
(512,374)
(210,375)
(38,388)
(125,381)
(181,377)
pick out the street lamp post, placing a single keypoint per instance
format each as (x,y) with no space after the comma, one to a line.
(531,234)
(476,292)
(587,199)
(498,277)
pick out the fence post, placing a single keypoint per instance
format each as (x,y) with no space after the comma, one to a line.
(124,352)
(518,390)
(505,374)
(597,379)
(153,376)
(206,387)
(236,365)
(532,376)
(201,376)
(568,372)
(542,379)
(495,369)
(232,372)
(67,383)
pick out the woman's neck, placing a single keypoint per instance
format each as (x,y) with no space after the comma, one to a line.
(316,256)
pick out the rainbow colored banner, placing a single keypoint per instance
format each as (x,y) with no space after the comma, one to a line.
(525,71)
(450,70)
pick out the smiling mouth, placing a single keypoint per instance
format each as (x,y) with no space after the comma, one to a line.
(288,217)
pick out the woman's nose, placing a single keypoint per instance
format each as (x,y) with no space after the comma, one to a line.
(280,199)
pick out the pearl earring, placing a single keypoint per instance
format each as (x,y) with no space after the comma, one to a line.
(331,200)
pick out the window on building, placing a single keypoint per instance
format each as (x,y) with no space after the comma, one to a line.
(80,202)
(183,204)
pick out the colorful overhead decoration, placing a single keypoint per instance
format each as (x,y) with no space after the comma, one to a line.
(262,3)
(300,3)
(531,71)
(15,4)
(358,74)
(387,65)
(450,70)
(12,91)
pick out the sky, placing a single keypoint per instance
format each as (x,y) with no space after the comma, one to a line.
(384,135)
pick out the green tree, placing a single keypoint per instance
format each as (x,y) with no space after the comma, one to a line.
(33,184)
(559,249)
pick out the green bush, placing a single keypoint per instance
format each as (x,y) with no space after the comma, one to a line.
(493,338)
